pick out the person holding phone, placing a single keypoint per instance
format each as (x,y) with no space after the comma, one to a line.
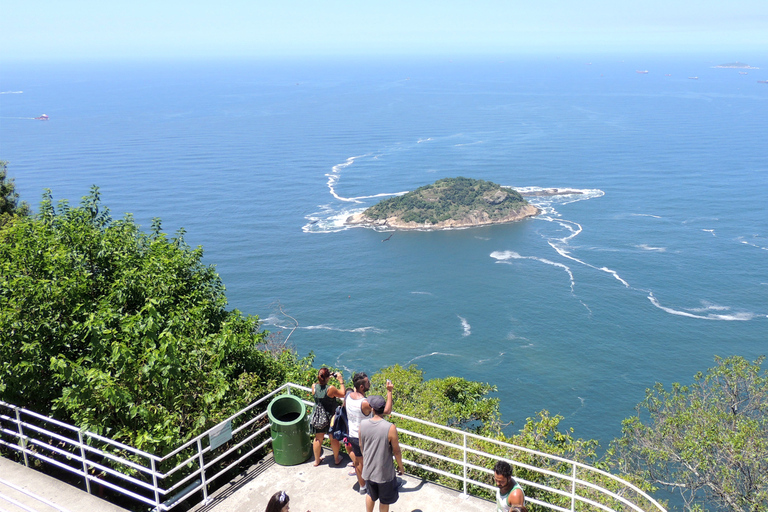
(325,396)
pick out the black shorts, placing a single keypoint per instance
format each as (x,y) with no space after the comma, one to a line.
(354,443)
(386,493)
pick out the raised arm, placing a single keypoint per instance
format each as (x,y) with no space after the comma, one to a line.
(335,392)
(388,405)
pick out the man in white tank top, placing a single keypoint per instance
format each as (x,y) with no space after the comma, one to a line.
(359,409)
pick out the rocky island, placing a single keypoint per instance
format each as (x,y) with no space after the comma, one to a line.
(448,203)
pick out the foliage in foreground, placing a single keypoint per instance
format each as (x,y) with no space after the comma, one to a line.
(121,332)
(707,441)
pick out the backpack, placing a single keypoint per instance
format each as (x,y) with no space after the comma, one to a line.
(339,428)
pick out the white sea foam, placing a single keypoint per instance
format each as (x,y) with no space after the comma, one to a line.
(504,256)
(12,92)
(647,247)
(465,325)
(644,215)
(422,293)
(363,330)
(335,175)
(711,231)
(691,313)
(751,244)
(430,355)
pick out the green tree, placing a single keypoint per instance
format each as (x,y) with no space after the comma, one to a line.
(707,441)
(9,198)
(122,332)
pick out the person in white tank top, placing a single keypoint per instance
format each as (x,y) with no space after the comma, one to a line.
(358,409)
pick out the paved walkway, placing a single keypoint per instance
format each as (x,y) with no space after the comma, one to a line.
(64,497)
(329,488)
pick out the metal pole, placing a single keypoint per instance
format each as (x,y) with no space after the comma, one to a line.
(465,465)
(202,470)
(22,442)
(85,465)
(573,489)
(154,482)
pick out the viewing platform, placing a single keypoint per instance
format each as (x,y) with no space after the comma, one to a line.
(231,467)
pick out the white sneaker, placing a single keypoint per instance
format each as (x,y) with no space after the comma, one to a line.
(363,490)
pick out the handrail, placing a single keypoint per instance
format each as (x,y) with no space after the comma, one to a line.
(197,465)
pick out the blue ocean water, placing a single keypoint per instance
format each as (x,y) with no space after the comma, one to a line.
(658,265)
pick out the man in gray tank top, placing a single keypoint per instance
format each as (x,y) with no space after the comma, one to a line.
(379,443)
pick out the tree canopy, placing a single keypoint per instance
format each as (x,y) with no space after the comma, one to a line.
(707,441)
(9,198)
(122,332)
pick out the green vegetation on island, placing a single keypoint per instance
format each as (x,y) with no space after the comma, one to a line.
(449,202)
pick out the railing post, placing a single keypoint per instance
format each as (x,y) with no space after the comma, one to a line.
(465,465)
(83,459)
(202,470)
(22,442)
(573,489)
(154,482)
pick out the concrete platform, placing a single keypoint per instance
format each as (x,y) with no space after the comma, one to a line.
(329,488)
(63,496)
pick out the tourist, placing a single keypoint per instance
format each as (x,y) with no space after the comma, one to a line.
(379,444)
(325,405)
(279,503)
(358,409)
(509,493)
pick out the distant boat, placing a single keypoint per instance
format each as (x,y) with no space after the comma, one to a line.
(42,117)
(642,72)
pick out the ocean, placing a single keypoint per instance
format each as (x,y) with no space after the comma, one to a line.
(658,265)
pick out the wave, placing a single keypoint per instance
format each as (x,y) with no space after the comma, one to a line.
(11,92)
(505,256)
(465,325)
(363,330)
(430,355)
(692,313)
(422,293)
(647,247)
(756,246)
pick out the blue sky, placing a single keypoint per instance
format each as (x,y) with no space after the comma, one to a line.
(84,29)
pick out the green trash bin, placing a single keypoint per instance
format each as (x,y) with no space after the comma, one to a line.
(291,443)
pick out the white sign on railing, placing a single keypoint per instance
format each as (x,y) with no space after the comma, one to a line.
(220,434)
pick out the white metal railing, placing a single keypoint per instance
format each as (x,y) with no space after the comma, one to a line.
(142,477)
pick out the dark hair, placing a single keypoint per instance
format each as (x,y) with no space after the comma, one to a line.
(358,379)
(324,373)
(503,468)
(277,502)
